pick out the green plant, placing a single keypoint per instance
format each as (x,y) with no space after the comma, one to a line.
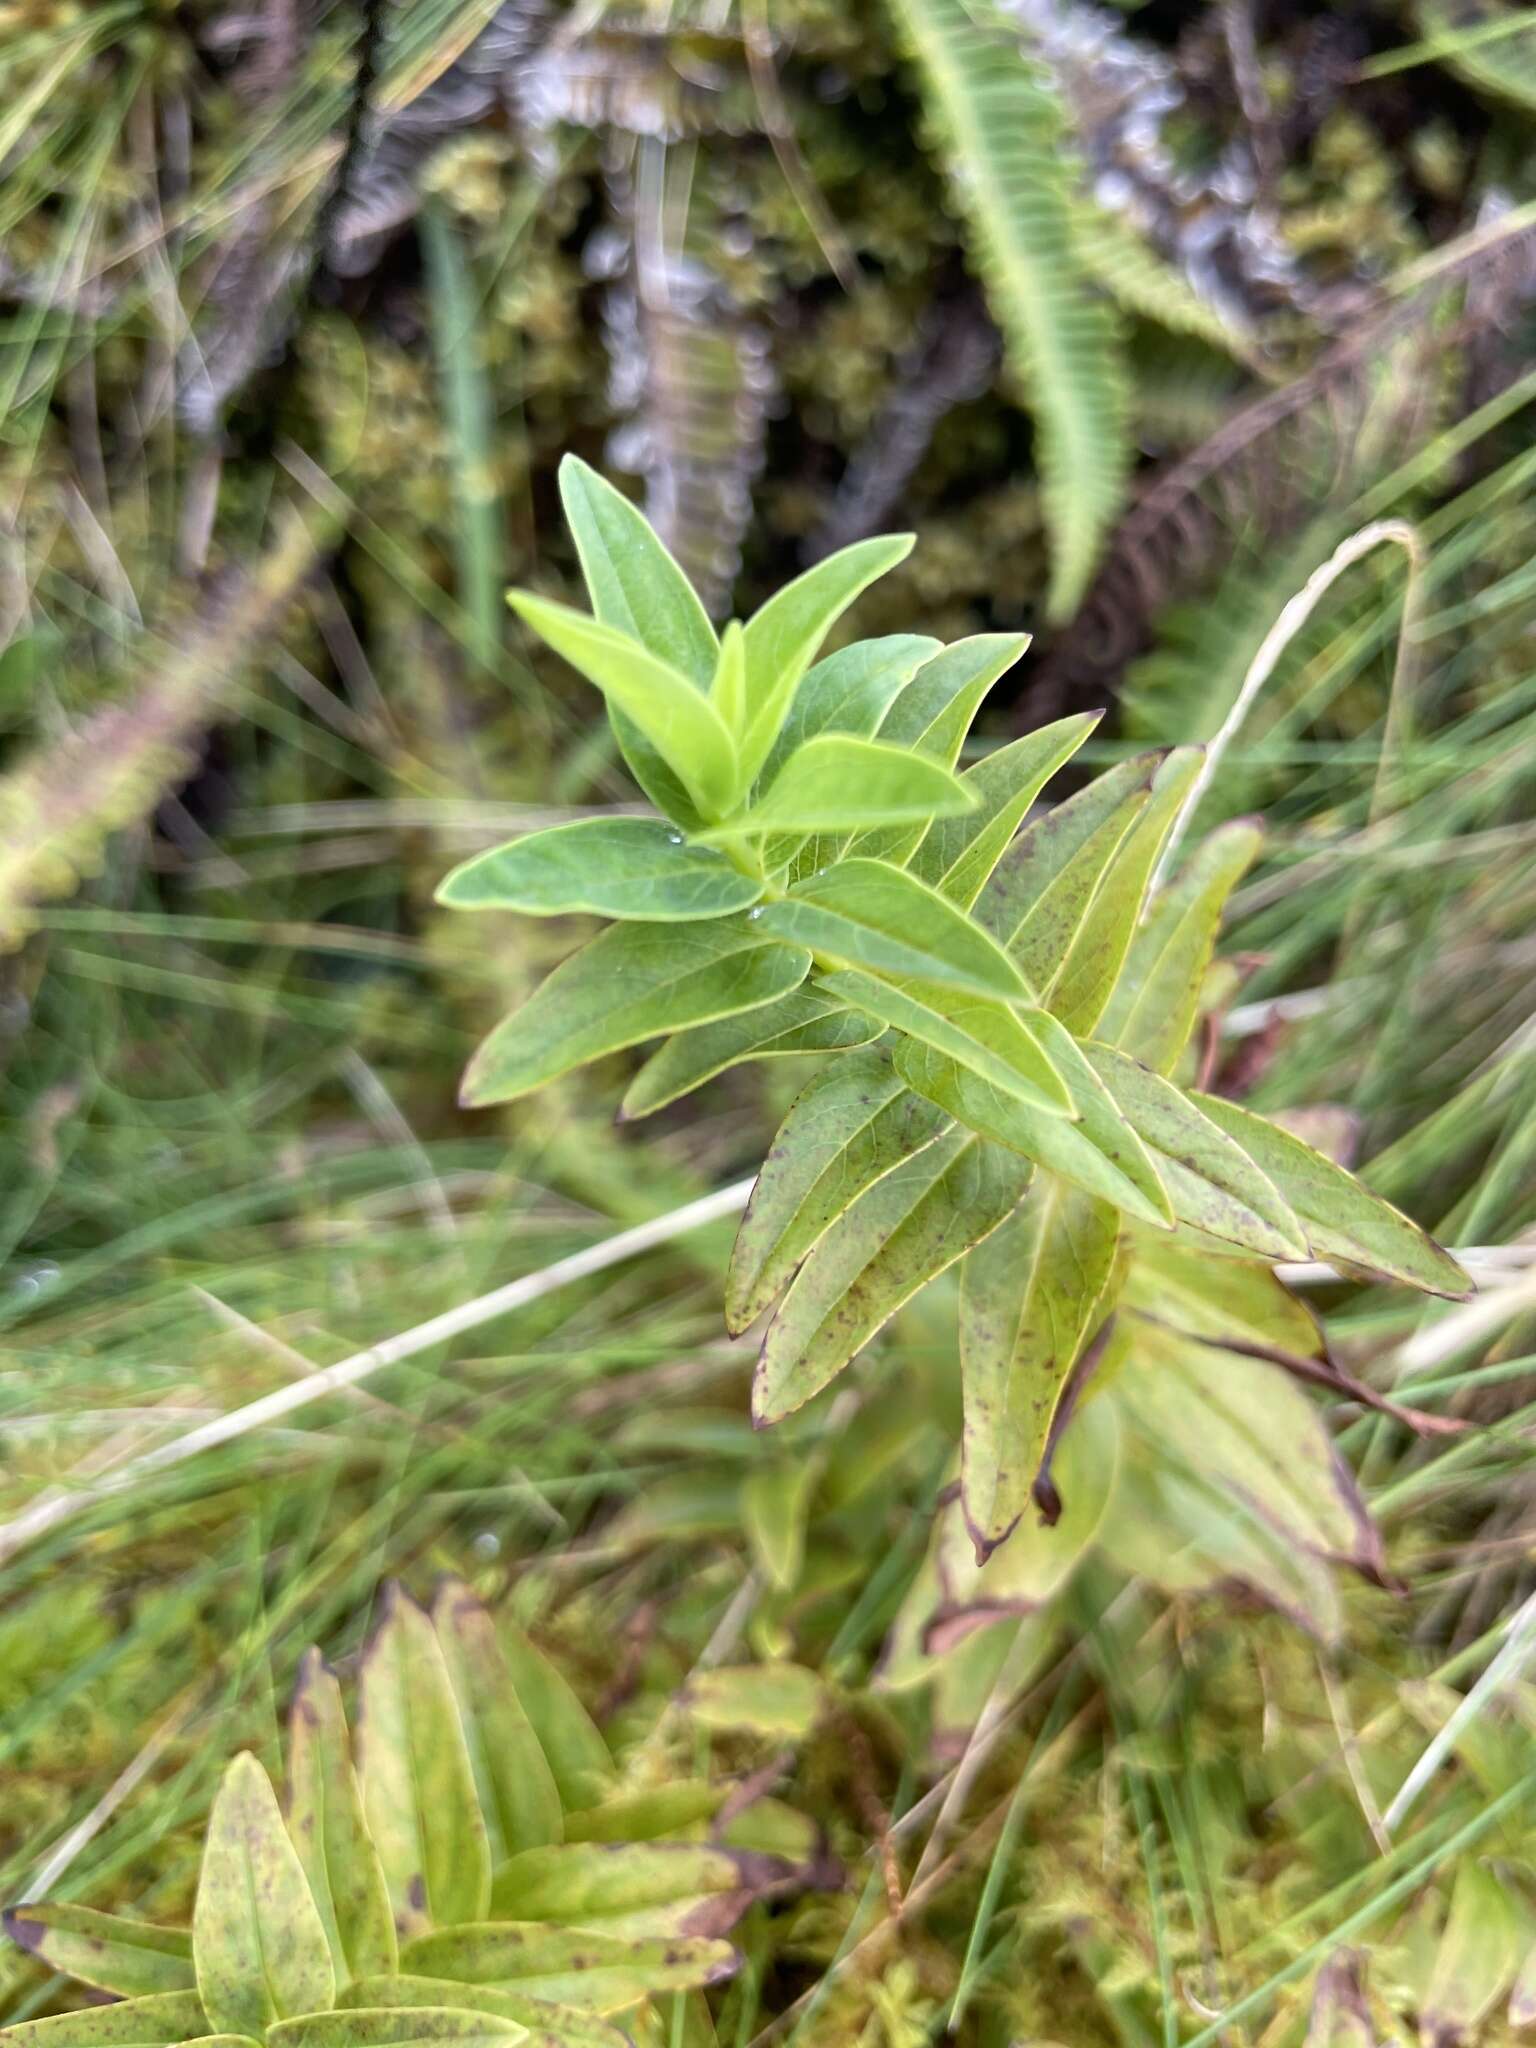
(1007,999)
(470,1870)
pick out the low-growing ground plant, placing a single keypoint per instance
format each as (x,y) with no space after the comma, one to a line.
(464,1867)
(1006,1002)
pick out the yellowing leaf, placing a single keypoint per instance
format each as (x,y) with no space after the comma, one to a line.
(325,1821)
(776,1700)
(128,1957)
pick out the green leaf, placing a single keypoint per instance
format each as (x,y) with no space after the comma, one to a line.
(932,716)
(850,692)
(155,2022)
(632,580)
(603,867)
(573,1748)
(1045,880)
(673,1808)
(675,718)
(1180,1285)
(632,982)
(1031,1296)
(396,2027)
(550,2026)
(325,1821)
(989,1037)
(958,854)
(1100,1153)
(1339,1218)
(728,691)
(781,1702)
(1487,1935)
(1212,1181)
(418,1784)
(865,913)
(802,1022)
(519,1800)
(1017,186)
(664,1889)
(128,1957)
(835,783)
(1152,1010)
(582,1967)
(1085,979)
(257,1939)
(775,1506)
(782,638)
(854,1122)
(897,1236)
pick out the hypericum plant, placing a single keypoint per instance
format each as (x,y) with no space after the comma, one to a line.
(469,1871)
(1004,1000)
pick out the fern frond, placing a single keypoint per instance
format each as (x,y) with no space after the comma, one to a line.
(1003,133)
(1138,279)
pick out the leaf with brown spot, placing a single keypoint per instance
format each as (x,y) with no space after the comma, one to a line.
(325,1820)
(128,1957)
(591,1969)
(161,2021)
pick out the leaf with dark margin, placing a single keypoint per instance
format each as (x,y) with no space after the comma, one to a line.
(588,1969)
(782,638)
(663,1889)
(804,1021)
(854,1122)
(549,2025)
(603,867)
(258,1942)
(519,1799)
(1340,1218)
(418,1785)
(632,982)
(958,854)
(329,1832)
(1085,979)
(128,1957)
(1155,1001)
(1031,1296)
(1183,1286)
(1212,1181)
(899,1235)
(992,1038)
(1100,1154)
(675,718)
(160,2021)
(1048,874)
(866,913)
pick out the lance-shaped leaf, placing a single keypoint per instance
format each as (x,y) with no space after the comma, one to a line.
(835,783)
(854,1122)
(582,1967)
(636,587)
(899,1235)
(418,1784)
(1181,1286)
(637,1888)
(673,716)
(1100,1153)
(632,580)
(1152,1010)
(549,2025)
(604,867)
(573,1748)
(1042,886)
(1031,1296)
(632,982)
(932,716)
(958,854)
(1213,1182)
(325,1820)
(866,913)
(728,690)
(650,1816)
(159,2021)
(519,1799)
(130,1958)
(398,2027)
(1085,978)
(1340,1218)
(1487,1934)
(849,692)
(782,1702)
(258,1942)
(775,1506)
(804,1021)
(991,1038)
(782,638)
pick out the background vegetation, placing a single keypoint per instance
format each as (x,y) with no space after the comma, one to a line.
(1133,314)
